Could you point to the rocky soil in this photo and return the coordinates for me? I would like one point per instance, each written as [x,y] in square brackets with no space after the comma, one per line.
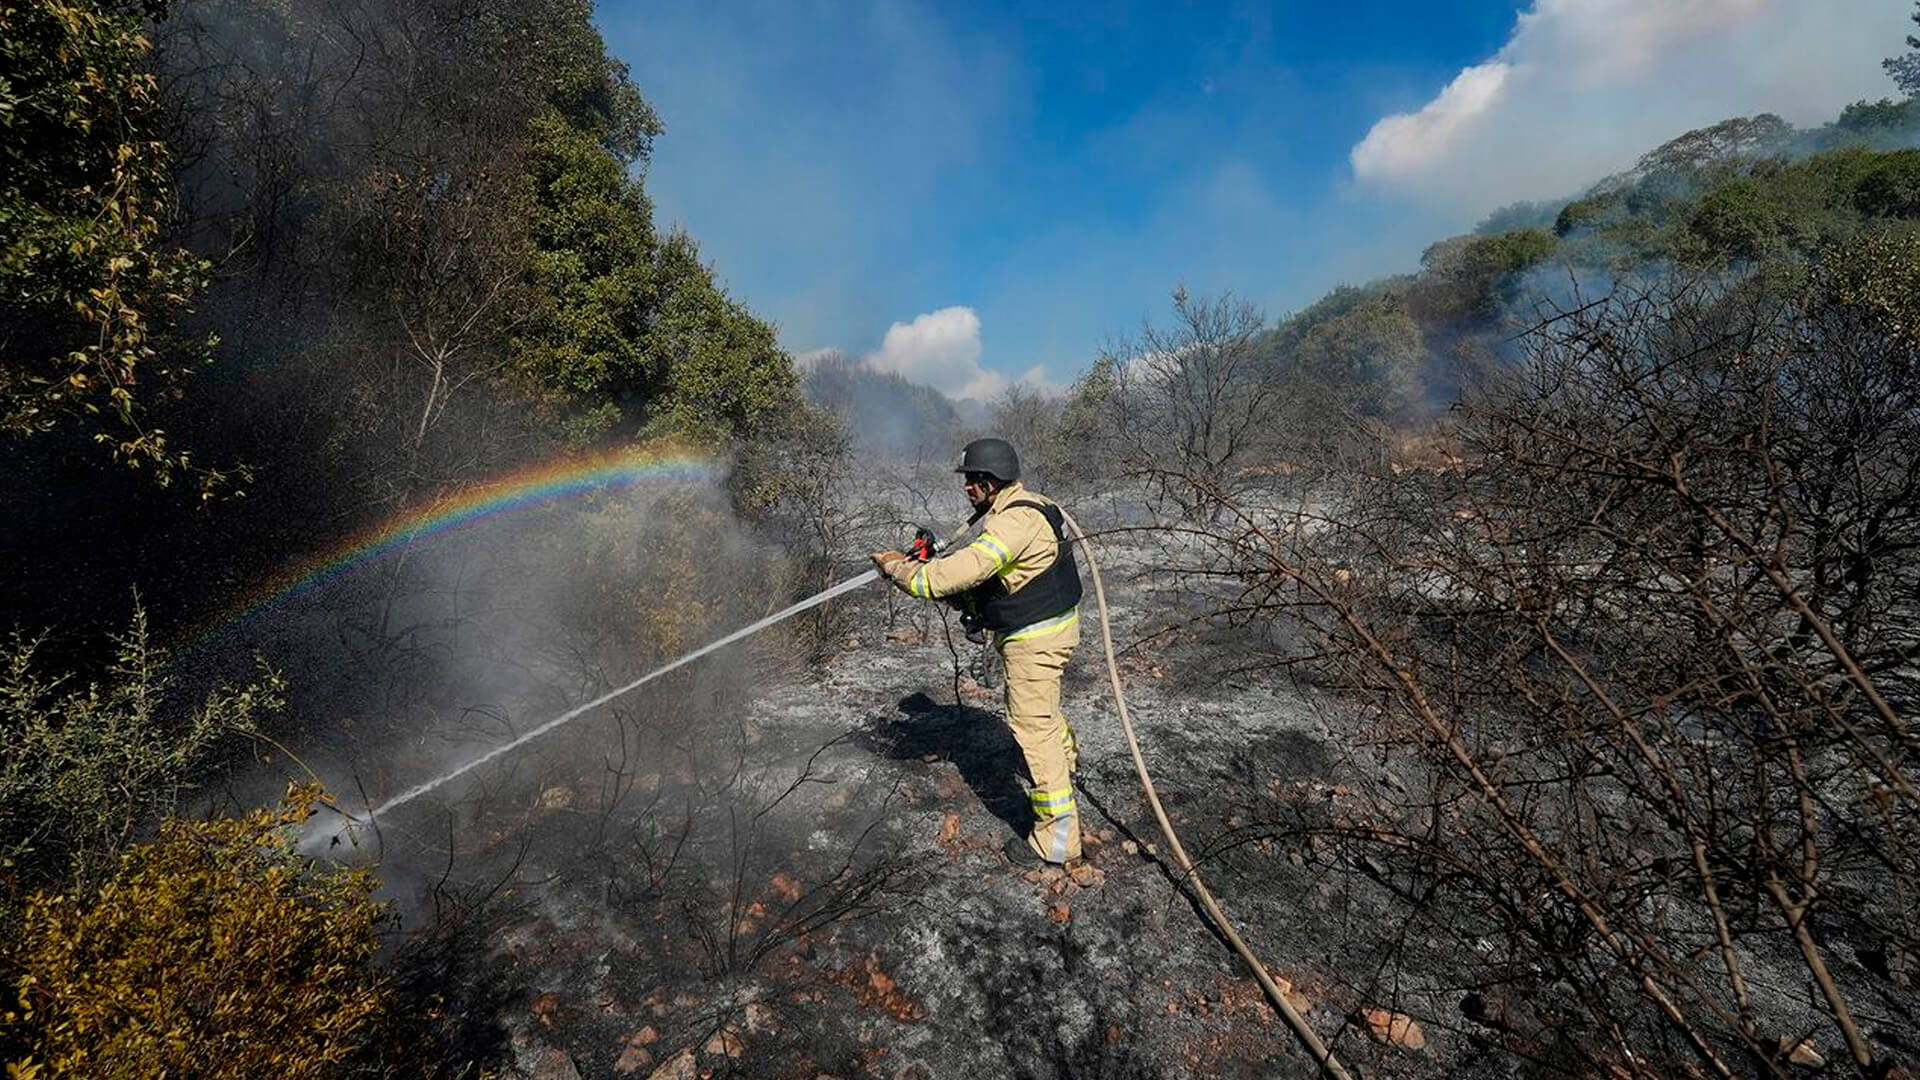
[839,906]
[775,867]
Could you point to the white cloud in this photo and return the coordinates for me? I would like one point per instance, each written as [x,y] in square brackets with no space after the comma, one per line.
[940,349]
[1583,87]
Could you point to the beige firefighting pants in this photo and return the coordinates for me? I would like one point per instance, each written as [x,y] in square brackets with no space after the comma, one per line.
[1034,666]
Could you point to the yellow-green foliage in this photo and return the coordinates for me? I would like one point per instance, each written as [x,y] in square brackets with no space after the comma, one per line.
[215,951]
[1877,275]
[82,771]
[84,271]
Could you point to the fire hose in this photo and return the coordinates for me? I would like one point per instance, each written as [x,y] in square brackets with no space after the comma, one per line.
[1190,873]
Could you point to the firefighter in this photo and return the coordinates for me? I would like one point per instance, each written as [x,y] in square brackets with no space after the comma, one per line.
[1017,580]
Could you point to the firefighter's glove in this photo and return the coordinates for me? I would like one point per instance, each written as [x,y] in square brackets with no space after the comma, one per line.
[889,562]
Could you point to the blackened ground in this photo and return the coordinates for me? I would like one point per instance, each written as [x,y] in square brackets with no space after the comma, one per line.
[821,891]
[764,867]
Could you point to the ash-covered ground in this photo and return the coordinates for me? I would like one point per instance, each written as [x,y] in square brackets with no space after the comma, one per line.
[783,867]
[784,862]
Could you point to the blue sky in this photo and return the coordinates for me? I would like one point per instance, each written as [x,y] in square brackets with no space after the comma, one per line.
[970,195]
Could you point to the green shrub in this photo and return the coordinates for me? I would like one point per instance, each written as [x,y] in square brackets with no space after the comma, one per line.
[81,771]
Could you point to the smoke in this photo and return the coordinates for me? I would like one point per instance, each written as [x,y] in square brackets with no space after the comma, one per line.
[884,412]
[424,660]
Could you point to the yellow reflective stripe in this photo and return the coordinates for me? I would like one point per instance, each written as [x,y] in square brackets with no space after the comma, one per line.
[1050,803]
[918,586]
[1002,558]
[1044,626]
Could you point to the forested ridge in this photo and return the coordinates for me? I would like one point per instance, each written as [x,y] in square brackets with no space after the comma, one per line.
[1607,506]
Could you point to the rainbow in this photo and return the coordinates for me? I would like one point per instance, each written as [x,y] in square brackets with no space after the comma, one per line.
[523,489]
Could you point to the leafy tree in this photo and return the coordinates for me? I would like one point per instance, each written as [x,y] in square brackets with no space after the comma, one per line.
[215,951]
[1583,213]
[1470,277]
[1718,145]
[1740,221]
[1519,215]
[90,294]
[1879,119]
[726,375]
[630,329]
[1890,186]
[582,350]
[1905,68]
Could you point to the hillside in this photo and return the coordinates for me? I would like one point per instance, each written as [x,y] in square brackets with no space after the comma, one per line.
[1525,646]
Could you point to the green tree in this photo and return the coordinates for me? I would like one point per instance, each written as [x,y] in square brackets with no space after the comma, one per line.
[90,293]
[726,374]
[1905,68]
[1472,277]
[631,330]
[1890,186]
[1718,145]
[1741,220]
[581,351]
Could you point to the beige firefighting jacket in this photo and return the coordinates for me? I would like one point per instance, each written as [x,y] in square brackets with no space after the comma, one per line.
[1017,544]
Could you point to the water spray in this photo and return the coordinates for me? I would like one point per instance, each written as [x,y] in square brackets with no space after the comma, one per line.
[376,813]
[925,547]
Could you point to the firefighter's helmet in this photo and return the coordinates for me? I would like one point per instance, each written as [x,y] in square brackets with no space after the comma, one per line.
[995,457]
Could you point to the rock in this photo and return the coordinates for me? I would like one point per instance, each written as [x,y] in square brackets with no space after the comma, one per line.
[554,1064]
[633,1057]
[1300,1002]
[1394,1029]
[680,1066]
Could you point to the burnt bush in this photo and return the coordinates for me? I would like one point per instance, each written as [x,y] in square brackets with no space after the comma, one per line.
[1639,660]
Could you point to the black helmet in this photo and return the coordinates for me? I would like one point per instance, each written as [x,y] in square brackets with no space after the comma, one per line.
[995,457]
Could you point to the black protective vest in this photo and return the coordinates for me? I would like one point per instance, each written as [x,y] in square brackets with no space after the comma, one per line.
[1050,593]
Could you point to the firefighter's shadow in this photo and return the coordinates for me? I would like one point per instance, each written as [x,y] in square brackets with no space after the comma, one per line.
[976,741]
